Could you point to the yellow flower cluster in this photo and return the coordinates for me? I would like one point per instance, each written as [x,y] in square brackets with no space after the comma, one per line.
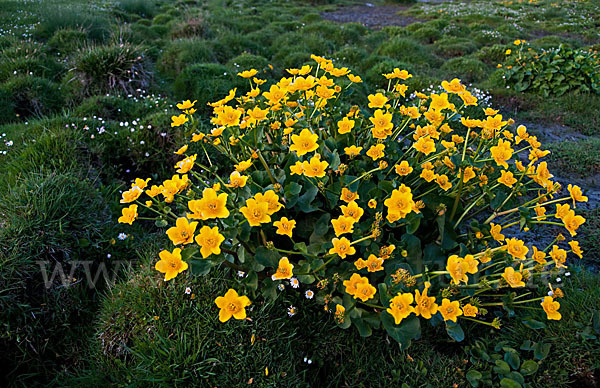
[313,180]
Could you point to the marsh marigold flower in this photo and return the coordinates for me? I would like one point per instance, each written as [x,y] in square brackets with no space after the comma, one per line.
[513,278]
[256,212]
[342,225]
[210,241]
[342,247]
[425,305]
[516,248]
[377,100]
[284,269]
[211,205]
[182,232]
[425,145]
[129,214]
[382,124]
[315,168]
[400,307]
[469,310]
[345,125]
[232,305]
[352,210]
[131,195]
[551,307]
[376,151]
[285,226]
[236,180]
[171,264]
[450,310]
[177,121]
[403,168]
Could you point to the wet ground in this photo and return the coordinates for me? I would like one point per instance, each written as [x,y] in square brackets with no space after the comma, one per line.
[371,16]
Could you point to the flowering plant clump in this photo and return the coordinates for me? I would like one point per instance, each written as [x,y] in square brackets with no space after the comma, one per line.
[551,72]
[388,214]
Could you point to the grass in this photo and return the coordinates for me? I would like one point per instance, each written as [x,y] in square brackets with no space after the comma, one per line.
[66,132]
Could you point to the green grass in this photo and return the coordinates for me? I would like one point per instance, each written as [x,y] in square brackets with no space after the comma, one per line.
[576,158]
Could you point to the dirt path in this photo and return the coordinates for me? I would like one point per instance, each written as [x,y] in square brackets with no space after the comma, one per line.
[371,15]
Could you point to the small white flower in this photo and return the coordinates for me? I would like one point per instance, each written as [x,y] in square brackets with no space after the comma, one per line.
[122,236]
[188,290]
[108,255]
[241,274]
[558,280]
[567,274]
[280,287]
[292,311]
[309,294]
[294,282]
[550,293]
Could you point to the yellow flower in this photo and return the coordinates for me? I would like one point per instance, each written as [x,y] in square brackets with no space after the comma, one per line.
[186,164]
[256,212]
[502,152]
[468,174]
[400,307]
[576,248]
[372,264]
[181,150]
[507,178]
[352,151]
[495,232]
[342,247]
[345,125]
[490,112]
[131,195]
[210,241]
[304,143]
[187,104]
[457,267]
[284,269]
[551,307]
[400,203]
[355,78]
[469,310]
[342,225]
[140,183]
[559,256]
[372,203]
[376,151]
[348,196]
[574,192]
[232,305]
[228,116]
[442,181]
[572,222]
[178,120]
[513,278]
[351,284]
[450,310]
[425,145]
[439,102]
[538,256]
[352,210]
[397,73]
[209,206]
[377,100]
[428,175]
[453,86]
[271,199]
[236,180]
[285,226]
[508,51]
[425,305]
[256,115]
[382,124]
[403,168]
[129,214]
[315,168]
[182,232]
[340,311]
[364,291]
[516,248]
[297,169]
[248,73]
[171,264]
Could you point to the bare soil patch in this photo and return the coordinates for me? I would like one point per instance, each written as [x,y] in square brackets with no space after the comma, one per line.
[371,16]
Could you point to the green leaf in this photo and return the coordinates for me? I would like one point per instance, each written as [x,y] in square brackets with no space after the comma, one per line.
[161,223]
[502,368]
[415,254]
[269,289]
[529,367]
[200,267]
[509,383]
[305,200]
[513,359]
[407,330]
[541,350]
[322,225]
[533,324]
[473,377]
[363,327]
[266,257]
[455,331]
[188,253]
[596,321]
